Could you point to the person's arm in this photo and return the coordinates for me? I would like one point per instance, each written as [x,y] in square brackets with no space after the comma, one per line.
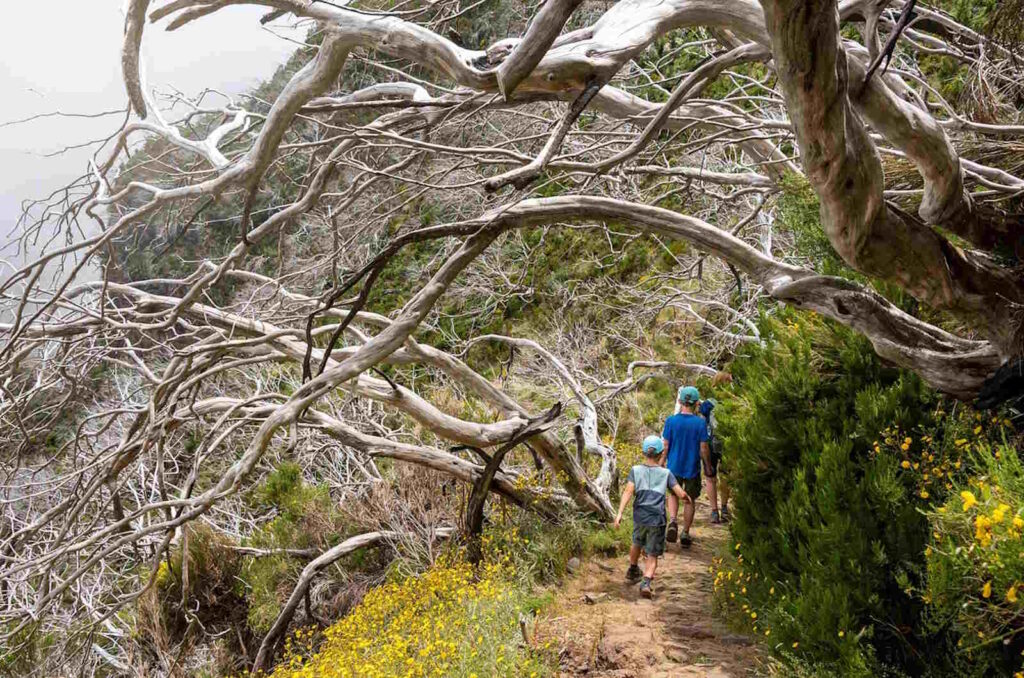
[627,494]
[664,441]
[681,493]
[705,455]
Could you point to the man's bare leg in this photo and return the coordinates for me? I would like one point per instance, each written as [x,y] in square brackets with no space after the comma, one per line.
[673,512]
[688,511]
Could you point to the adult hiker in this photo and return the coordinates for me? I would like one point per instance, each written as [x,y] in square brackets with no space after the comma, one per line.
[719,491]
[686,442]
[717,487]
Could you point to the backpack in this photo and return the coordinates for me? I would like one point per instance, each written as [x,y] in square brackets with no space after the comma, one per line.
[717,447]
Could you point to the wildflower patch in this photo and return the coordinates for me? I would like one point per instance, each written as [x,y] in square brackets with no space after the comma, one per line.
[448,621]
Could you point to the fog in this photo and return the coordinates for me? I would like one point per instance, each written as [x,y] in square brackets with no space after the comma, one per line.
[64,55]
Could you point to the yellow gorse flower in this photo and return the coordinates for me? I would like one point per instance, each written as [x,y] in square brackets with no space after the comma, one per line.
[969,499]
[443,622]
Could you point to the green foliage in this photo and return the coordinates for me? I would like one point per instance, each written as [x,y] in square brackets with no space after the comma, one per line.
[24,649]
[609,541]
[212,597]
[305,518]
[828,532]
[975,563]
[533,549]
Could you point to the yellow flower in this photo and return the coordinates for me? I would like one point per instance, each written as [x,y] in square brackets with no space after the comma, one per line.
[969,499]
[905,464]
[842,633]
[924,494]
[983,530]
[986,590]
[796,645]
[977,430]
[1011,594]
[999,513]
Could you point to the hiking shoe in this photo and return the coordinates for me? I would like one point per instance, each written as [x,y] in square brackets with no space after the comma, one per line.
[673,532]
[633,574]
[685,541]
[646,591]
[716,518]
[725,514]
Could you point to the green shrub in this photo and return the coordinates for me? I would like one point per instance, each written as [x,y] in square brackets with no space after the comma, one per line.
[975,563]
[829,530]
[305,518]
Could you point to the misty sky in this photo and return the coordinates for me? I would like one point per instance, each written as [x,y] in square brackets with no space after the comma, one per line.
[64,55]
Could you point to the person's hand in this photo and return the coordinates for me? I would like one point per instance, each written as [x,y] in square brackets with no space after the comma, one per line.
[618,519]
[686,497]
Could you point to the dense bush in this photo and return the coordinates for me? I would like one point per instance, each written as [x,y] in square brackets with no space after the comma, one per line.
[840,559]
[828,531]
[975,563]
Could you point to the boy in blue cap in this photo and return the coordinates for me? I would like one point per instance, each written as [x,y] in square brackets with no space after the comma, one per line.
[686,440]
[650,481]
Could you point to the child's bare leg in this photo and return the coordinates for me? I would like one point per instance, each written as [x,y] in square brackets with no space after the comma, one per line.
[673,507]
[713,492]
[724,491]
[650,566]
[634,554]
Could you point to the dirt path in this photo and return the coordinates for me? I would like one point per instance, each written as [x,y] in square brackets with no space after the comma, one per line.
[605,629]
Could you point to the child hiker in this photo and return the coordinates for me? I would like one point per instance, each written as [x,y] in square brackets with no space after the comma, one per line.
[650,481]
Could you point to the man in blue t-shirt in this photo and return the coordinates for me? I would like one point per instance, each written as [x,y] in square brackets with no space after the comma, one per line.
[686,443]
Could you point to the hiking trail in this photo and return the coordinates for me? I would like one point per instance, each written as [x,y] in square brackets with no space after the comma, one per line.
[603,628]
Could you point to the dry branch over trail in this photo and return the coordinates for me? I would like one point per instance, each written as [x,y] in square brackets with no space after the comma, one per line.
[436,222]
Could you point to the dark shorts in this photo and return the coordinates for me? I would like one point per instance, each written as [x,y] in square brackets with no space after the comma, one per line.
[650,537]
[716,458]
[692,486]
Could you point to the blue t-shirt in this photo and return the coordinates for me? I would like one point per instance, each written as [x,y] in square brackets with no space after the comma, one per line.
[684,433]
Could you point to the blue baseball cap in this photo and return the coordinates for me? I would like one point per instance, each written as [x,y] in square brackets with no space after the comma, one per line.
[652,445]
[689,395]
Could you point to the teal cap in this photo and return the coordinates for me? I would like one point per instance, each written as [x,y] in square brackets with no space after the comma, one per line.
[652,445]
[689,395]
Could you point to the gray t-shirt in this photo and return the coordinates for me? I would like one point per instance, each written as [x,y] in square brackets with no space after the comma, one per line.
[651,482]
